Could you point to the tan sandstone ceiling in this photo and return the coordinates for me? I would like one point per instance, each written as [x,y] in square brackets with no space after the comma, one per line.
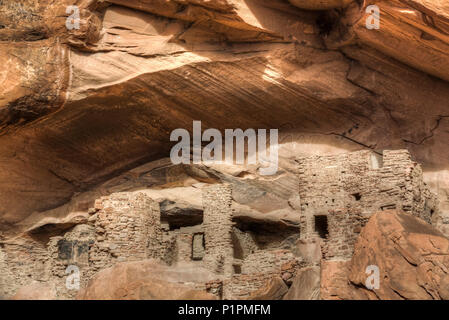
[77,108]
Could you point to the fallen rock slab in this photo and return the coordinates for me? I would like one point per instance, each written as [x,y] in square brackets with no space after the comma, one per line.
[147,280]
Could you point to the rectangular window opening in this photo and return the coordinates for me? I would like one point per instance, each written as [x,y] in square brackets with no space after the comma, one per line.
[321,226]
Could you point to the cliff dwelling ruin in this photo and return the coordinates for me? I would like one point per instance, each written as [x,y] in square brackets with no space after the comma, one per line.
[337,195]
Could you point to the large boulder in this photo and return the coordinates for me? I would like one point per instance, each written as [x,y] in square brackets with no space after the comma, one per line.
[147,280]
[306,285]
[274,289]
[335,284]
[412,258]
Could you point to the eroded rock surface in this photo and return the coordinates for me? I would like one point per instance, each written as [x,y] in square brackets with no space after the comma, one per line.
[79,106]
[305,286]
[87,113]
[146,280]
[412,258]
[275,289]
[36,291]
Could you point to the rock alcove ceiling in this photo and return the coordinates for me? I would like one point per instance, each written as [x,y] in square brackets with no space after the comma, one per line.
[88,112]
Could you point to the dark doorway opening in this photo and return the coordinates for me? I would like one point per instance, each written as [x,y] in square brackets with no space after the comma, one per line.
[357,196]
[321,226]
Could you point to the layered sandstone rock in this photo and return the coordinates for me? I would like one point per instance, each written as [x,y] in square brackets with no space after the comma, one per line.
[411,256]
[36,291]
[146,280]
[105,97]
[414,32]
[306,285]
[274,289]
[88,112]
[335,284]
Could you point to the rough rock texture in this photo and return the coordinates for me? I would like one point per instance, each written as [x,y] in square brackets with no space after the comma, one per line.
[145,280]
[335,284]
[305,286]
[36,291]
[411,255]
[87,113]
[79,106]
[321,4]
[274,289]
[242,232]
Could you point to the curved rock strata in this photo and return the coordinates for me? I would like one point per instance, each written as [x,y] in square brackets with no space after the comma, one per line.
[86,115]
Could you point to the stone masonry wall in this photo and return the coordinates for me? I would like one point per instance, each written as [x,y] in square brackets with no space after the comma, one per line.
[344,229]
[71,249]
[184,246]
[22,261]
[240,286]
[359,182]
[417,197]
[128,227]
[337,195]
[265,261]
[217,223]
[123,227]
